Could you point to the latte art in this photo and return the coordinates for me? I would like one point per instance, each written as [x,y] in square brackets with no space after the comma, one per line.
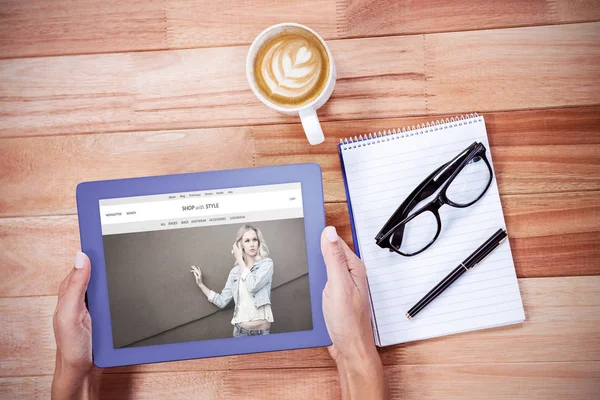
[291,69]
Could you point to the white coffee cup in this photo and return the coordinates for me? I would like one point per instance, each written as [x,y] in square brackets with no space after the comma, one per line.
[307,112]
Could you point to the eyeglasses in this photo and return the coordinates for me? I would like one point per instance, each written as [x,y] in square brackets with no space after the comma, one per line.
[463,181]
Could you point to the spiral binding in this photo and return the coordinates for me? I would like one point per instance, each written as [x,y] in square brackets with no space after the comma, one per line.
[419,129]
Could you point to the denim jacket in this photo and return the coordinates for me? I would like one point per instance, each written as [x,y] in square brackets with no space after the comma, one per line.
[258,281]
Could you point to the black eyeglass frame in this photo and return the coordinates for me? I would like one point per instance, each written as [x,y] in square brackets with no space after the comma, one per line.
[441,177]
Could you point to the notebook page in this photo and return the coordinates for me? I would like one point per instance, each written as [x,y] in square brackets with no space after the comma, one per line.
[379,177]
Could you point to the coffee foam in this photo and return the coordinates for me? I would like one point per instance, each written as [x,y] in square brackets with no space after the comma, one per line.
[291,68]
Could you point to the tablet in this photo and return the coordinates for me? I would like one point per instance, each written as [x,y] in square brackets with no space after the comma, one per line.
[146,236]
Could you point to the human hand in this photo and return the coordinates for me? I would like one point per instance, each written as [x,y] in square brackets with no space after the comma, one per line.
[197,274]
[346,300]
[238,254]
[346,312]
[73,334]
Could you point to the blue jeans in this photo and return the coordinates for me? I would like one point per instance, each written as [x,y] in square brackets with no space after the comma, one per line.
[239,331]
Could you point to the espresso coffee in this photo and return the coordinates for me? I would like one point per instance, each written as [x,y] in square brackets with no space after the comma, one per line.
[291,68]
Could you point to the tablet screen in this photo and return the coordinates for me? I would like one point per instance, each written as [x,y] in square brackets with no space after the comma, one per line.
[247,244]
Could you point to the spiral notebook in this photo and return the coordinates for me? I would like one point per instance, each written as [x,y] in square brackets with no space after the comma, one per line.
[380,170]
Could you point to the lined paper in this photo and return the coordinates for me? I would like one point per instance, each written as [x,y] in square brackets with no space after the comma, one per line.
[380,174]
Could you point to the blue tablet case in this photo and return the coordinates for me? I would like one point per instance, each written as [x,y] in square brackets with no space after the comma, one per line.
[90,193]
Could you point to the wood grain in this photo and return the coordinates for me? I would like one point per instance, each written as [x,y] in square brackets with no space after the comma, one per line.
[506,69]
[561,315]
[201,23]
[156,87]
[186,88]
[61,27]
[515,381]
[529,136]
[382,18]
[533,151]
[69,160]
[572,254]
[551,213]
[569,228]
[39,28]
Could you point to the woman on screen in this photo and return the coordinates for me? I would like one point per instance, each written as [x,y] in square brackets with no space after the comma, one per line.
[248,284]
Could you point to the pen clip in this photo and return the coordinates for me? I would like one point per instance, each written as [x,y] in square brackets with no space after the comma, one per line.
[490,252]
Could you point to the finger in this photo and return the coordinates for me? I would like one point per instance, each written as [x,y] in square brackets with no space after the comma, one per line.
[63,285]
[78,282]
[334,256]
[356,266]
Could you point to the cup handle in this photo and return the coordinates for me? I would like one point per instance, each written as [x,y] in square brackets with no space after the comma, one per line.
[311,125]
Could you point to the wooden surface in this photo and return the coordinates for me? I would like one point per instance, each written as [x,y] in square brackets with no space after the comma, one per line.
[107,89]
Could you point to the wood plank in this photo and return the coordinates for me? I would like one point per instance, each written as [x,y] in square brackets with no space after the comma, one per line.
[207,87]
[518,169]
[546,228]
[513,380]
[541,127]
[38,28]
[24,259]
[533,151]
[572,254]
[73,159]
[513,68]
[382,18]
[40,96]
[551,214]
[562,318]
[201,23]
[192,88]
[569,229]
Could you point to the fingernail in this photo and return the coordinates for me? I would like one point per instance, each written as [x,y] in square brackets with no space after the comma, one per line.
[79,260]
[331,234]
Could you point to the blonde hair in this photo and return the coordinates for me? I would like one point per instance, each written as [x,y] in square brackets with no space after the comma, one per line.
[263,249]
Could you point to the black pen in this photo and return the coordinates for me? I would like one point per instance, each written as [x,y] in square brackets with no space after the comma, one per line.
[475,258]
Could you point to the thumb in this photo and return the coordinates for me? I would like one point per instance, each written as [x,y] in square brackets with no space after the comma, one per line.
[334,256]
[356,267]
[78,281]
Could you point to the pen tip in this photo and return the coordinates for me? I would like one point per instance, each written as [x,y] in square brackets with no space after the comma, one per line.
[408,316]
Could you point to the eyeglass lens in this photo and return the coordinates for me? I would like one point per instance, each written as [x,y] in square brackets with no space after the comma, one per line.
[418,233]
[466,187]
[470,183]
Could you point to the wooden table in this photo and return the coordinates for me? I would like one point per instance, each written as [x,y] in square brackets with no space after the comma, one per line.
[107,89]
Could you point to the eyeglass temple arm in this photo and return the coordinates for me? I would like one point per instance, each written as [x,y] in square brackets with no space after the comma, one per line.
[435,184]
[418,194]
